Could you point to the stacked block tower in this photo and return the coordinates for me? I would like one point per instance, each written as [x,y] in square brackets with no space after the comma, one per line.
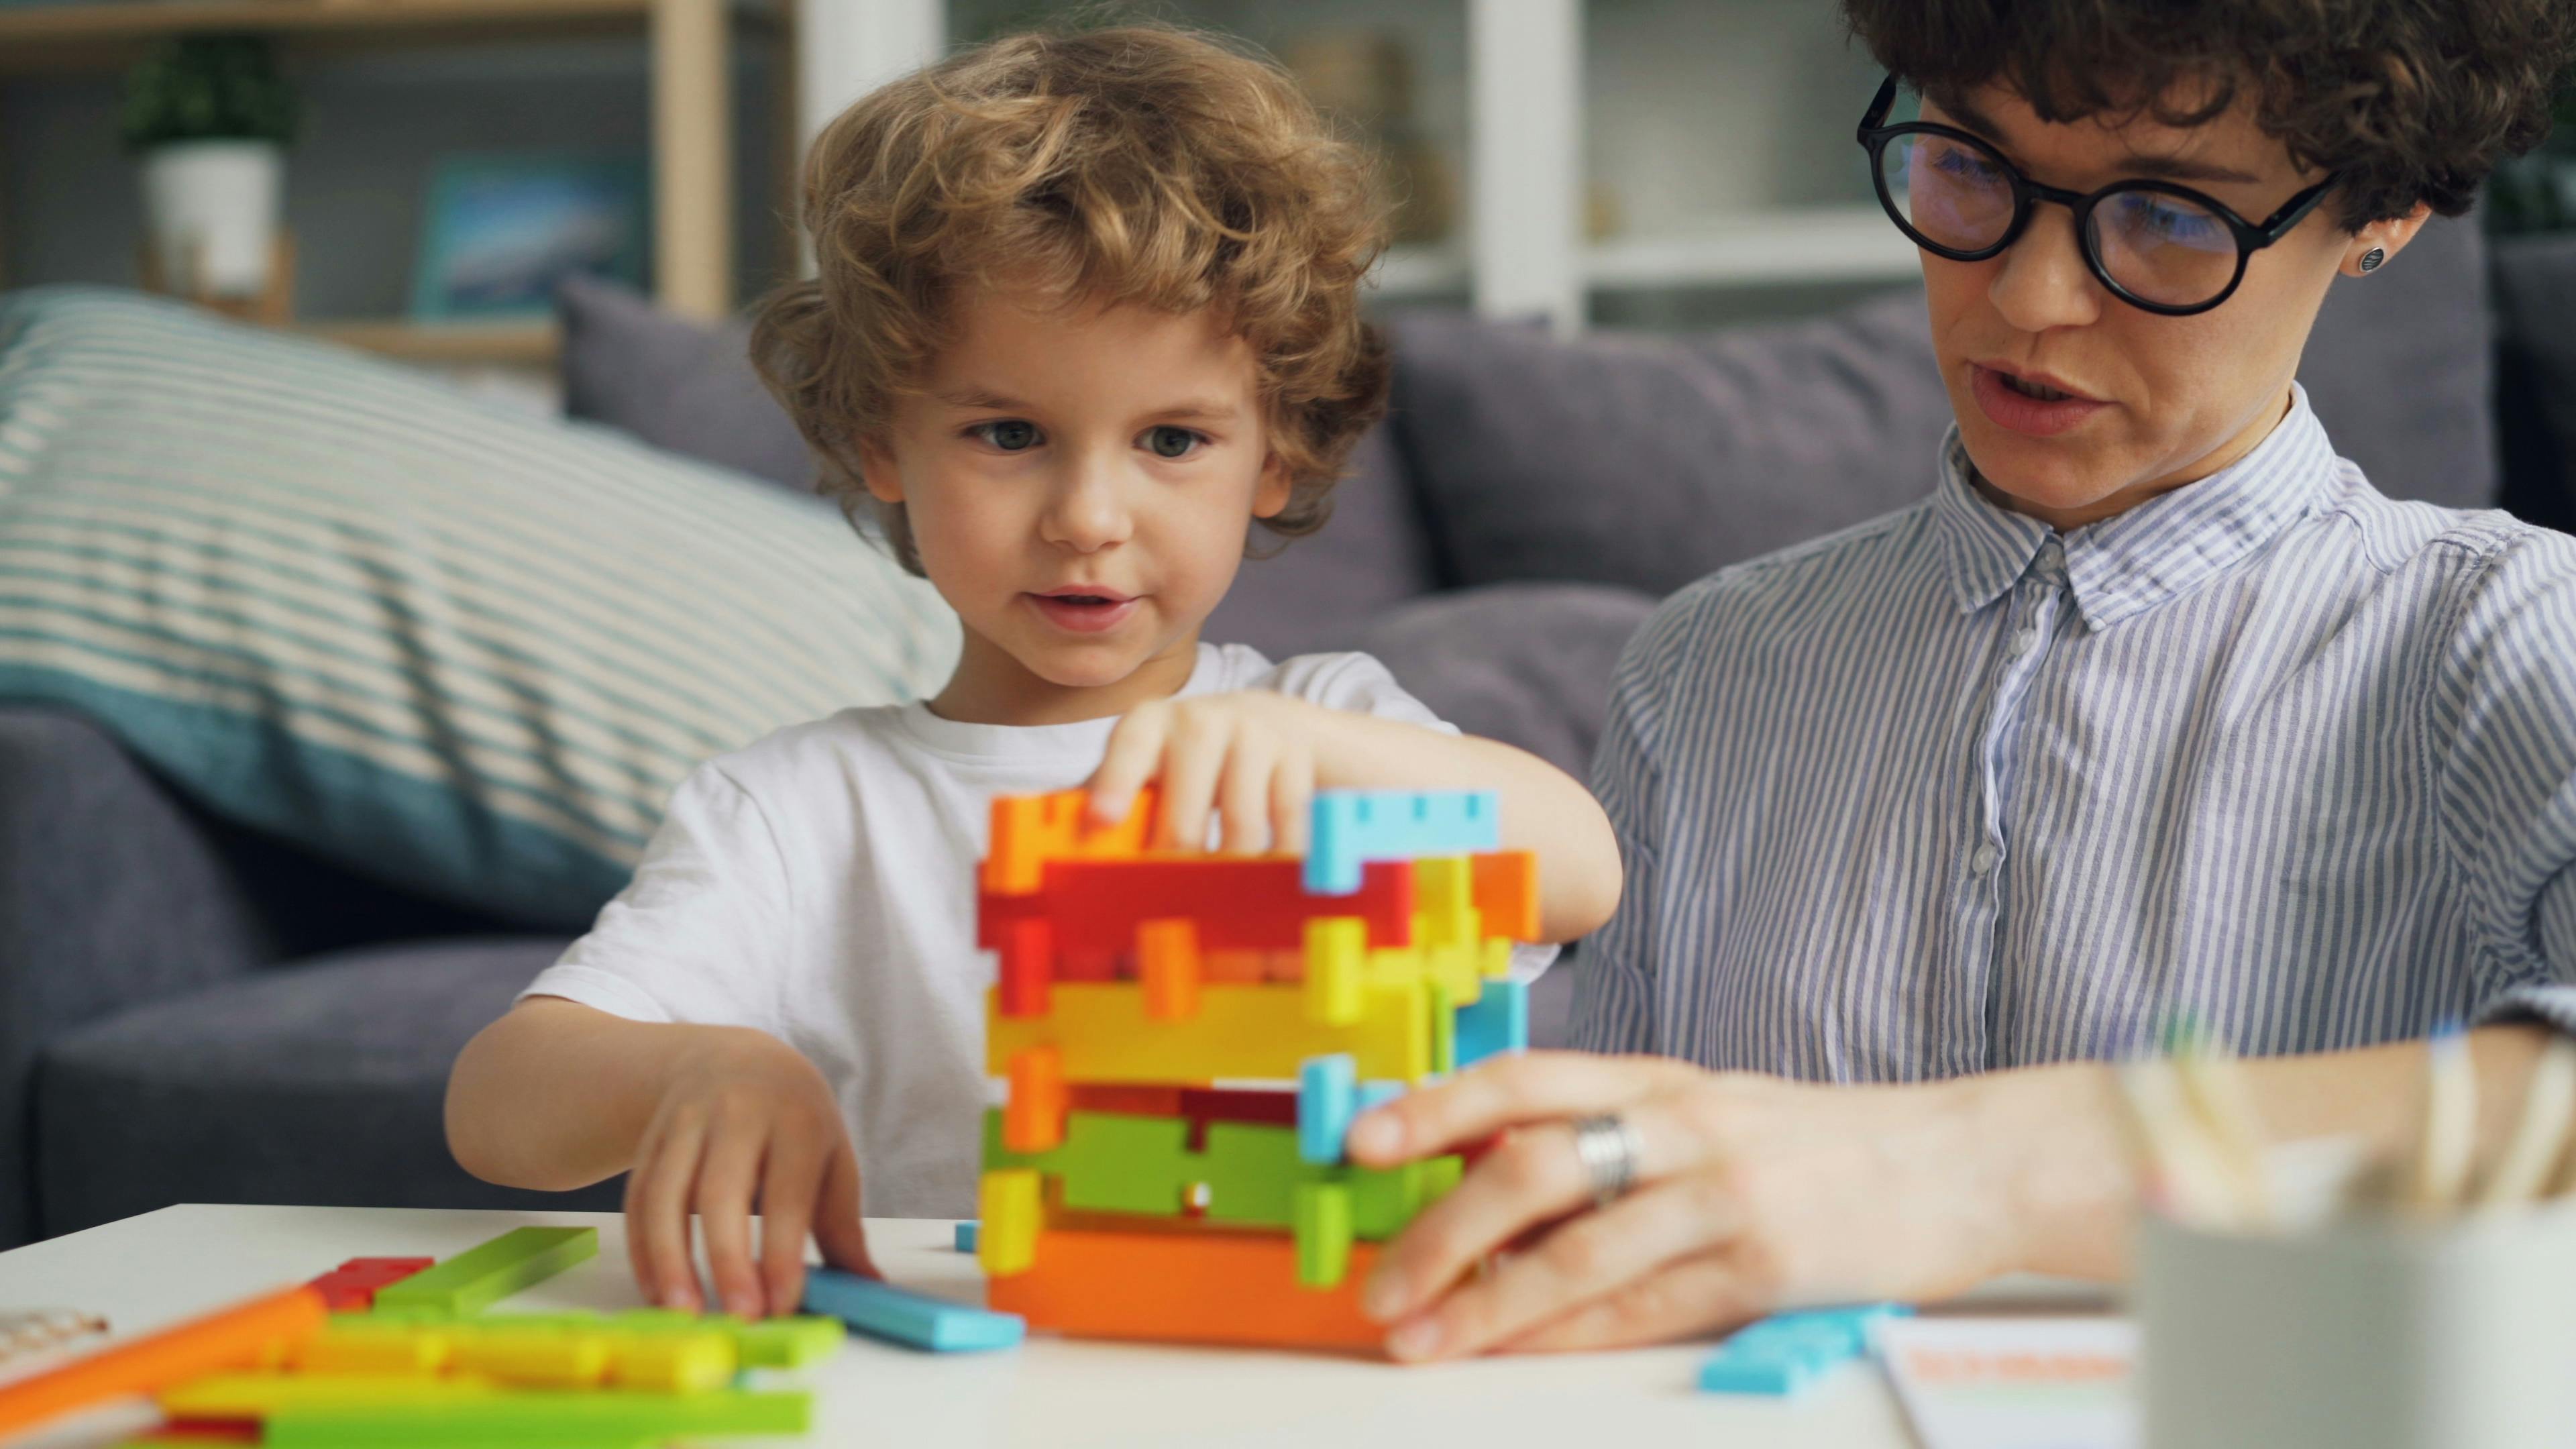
[1185,1038]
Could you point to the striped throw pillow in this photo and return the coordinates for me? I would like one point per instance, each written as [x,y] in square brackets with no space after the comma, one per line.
[463,649]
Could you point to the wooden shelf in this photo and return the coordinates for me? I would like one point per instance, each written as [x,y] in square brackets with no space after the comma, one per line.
[447,344]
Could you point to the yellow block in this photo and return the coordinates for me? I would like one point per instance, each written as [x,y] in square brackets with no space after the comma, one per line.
[673,1363]
[1444,902]
[1241,1030]
[361,1348]
[1011,1204]
[256,1396]
[535,1357]
[1336,955]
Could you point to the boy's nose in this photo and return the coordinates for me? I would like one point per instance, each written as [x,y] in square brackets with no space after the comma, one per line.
[1089,509]
[2041,281]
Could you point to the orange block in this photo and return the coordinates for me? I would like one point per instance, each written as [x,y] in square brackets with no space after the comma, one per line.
[242,1336]
[1030,830]
[1033,1118]
[1186,1288]
[1505,888]
[1239,967]
[1167,957]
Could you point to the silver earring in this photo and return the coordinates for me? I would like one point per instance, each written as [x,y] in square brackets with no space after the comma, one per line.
[2371,259]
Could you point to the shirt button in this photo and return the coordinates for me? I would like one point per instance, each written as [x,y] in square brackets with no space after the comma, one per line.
[2022,642]
[1985,858]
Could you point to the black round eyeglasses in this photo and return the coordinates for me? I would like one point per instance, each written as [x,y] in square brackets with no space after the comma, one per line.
[2165,248]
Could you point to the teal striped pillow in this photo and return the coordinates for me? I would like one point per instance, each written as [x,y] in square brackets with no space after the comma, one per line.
[460,648]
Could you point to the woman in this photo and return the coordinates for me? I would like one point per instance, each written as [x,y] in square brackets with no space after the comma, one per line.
[2154,711]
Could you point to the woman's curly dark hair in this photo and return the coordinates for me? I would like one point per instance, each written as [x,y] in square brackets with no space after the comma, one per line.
[2408,100]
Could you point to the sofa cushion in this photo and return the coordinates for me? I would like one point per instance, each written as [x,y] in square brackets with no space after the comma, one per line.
[462,649]
[675,382]
[1650,461]
[1527,664]
[1323,591]
[320,1083]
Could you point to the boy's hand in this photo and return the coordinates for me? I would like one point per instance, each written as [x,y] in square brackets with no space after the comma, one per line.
[1248,757]
[746,1116]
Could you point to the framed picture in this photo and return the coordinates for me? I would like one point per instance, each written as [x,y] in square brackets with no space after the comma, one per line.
[500,232]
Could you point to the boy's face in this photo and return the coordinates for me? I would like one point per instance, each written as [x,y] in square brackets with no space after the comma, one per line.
[2176,398]
[1078,483]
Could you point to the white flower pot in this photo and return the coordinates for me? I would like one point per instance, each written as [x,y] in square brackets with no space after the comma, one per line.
[211,209]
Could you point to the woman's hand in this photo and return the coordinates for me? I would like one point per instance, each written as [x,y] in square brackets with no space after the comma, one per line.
[1248,758]
[1751,1193]
[746,1116]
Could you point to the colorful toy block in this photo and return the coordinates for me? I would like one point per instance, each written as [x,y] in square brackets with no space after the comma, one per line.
[1494,1024]
[916,1320]
[1239,1033]
[479,1277]
[1191,1288]
[326,1414]
[1125,1193]
[241,1336]
[1352,827]
[354,1284]
[966,1236]
[1328,1090]
[1781,1355]
[1028,831]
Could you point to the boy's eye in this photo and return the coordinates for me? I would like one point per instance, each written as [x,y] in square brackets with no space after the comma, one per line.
[1171,442]
[1010,435]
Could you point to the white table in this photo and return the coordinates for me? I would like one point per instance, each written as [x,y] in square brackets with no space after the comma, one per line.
[1048,1394]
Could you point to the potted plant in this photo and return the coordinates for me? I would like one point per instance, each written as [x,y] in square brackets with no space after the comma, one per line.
[210,117]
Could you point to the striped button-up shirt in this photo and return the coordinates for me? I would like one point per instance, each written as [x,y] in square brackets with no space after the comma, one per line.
[1953,791]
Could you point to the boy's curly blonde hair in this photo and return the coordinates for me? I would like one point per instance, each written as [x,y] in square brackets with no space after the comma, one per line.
[1135,165]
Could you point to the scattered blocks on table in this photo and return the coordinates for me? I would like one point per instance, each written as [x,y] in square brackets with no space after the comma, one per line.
[479,1277]
[1781,1355]
[1352,827]
[966,1236]
[259,1331]
[354,1284]
[916,1320]
[1495,1024]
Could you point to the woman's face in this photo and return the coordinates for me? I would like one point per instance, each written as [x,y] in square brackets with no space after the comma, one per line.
[2161,401]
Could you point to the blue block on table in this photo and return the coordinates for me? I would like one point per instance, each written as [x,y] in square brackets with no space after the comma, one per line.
[966,1235]
[1353,827]
[1495,1023]
[916,1320]
[1783,1354]
[1731,1373]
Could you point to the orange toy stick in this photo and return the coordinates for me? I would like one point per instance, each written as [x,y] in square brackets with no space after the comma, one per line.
[1197,1287]
[236,1337]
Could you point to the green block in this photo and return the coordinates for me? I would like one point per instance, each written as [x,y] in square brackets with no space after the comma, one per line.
[1252,1171]
[1114,1163]
[549,1420]
[788,1342]
[1323,1233]
[1441,1176]
[479,1277]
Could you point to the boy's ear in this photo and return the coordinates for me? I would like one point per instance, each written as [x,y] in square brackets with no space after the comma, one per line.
[1270,496]
[877,472]
[2388,238]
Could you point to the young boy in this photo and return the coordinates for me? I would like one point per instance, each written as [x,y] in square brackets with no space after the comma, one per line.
[1087,307]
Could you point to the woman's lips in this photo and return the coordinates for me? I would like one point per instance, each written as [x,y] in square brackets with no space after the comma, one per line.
[1081,614]
[2022,413]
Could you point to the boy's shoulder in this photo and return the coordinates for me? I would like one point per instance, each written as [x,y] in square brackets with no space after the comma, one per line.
[838,742]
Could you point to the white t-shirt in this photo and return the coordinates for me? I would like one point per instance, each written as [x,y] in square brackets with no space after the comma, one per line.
[819,885]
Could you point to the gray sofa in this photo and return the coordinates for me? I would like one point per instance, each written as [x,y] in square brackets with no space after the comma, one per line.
[191,1013]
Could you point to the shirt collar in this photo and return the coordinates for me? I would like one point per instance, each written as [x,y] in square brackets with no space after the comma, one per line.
[2159,550]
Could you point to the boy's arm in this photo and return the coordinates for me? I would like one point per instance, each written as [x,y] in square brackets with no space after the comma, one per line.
[1255,758]
[711,1120]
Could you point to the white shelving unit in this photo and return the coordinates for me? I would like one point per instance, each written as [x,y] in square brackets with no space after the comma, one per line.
[1717,133]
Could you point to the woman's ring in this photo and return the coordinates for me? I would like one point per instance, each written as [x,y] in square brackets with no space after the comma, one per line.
[1609,1150]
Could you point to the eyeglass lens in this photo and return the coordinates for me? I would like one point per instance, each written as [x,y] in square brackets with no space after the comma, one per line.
[2157,246]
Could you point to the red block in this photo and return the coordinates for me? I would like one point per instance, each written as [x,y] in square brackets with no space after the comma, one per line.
[351,1287]
[1028,967]
[1254,904]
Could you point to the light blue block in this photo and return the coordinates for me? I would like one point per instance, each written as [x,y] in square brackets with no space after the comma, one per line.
[966,1236]
[1728,1372]
[1497,1023]
[1378,1094]
[1327,1097]
[917,1320]
[1353,827]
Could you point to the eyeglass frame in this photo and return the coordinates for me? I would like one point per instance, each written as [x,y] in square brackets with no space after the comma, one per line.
[2251,237]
